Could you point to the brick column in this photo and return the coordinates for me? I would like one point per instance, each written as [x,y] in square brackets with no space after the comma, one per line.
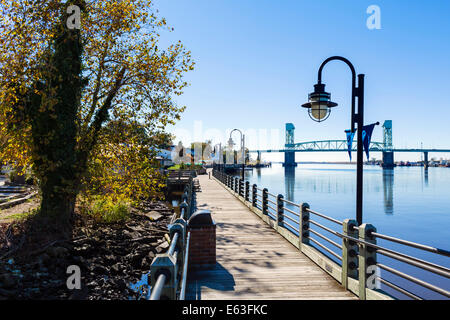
[202,244]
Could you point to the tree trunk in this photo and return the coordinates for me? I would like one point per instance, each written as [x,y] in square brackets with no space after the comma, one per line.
[54,127]
[57,203]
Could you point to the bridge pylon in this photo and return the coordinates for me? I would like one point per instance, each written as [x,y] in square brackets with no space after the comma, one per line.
[289,156]
[388,154]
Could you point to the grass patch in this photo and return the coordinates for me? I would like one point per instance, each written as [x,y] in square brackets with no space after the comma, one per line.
[185,166]
[20,216]
[105,210]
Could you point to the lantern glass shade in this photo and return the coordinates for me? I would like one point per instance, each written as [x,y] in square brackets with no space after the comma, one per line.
[319,104]
[230,143]
[319,111]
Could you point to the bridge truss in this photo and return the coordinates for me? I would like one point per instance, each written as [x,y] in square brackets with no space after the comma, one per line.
[340,146]
[325,145]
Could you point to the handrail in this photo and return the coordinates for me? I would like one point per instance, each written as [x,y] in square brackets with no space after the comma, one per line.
[412,244]
[415,280]
[173,243]
[261,202]
[288,224]
[325,238]
[291,203]
[157,288]
[416,264]
[327,229]
[392,251]
[399,289]
[324,216]
[289,218]
[185,268]
[178,254]
[326,249]
[293,212]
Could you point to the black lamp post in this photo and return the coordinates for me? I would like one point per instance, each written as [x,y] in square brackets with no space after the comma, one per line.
[243,149]
[319,108]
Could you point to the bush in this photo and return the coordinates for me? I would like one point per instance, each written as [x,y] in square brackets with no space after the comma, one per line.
[16,176]
[20,176]
[105,210]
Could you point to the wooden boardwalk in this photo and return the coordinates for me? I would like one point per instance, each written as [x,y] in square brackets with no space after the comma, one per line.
[253,260]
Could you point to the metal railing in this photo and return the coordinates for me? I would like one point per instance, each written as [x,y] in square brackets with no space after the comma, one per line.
[353,262]
[168,271]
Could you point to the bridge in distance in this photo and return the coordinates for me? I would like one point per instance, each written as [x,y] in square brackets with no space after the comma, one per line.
[386,147]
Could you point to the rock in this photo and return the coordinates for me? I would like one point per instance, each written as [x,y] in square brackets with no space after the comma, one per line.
[84,250]
[57,252]
[99,269]
[131,235]
[151,255]
[7,294]
[154,215]
[7,280]
[79,294]
[109,259]
[121,284]
[134,259]
[162,247]
[43,259]
[116,268]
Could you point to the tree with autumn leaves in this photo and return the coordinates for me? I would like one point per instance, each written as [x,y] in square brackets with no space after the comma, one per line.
[70,99]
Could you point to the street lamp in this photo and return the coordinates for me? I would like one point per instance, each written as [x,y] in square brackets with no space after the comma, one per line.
[319,107]
[230,142]
[219,152]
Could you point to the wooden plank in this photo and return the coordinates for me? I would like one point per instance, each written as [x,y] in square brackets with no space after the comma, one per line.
[253,260]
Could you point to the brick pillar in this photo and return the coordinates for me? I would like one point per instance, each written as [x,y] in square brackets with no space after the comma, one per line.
[202,244]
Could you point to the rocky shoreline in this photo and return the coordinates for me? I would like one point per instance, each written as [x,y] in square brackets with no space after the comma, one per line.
[114,260]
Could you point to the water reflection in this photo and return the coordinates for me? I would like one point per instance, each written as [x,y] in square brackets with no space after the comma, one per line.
[388,188]
[258,173]
[426,177]
[289,182]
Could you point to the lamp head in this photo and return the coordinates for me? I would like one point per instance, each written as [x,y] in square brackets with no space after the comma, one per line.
[230,143]
[319,103]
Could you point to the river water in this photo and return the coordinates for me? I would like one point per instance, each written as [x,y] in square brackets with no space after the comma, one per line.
[406,202]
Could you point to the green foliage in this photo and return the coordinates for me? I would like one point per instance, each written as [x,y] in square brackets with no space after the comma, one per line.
[105,210]
[185,166]
[20,176]
[68,98]
[22,216]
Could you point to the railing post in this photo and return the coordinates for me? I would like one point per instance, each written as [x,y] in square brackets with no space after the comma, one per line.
[254,195]
[349,252]
[247,191]
[236,185]
[367,257]
[184,209]
[304,223]
[280,210]
[165,264]
[180,227]
[265,202]
[240,187]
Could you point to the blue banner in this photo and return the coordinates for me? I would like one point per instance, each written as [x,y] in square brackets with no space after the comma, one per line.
[350,136]
[367,136]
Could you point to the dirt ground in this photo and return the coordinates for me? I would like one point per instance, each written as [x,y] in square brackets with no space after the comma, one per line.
[5,214]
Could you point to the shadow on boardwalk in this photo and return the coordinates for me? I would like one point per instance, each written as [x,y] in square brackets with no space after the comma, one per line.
[217,278]
[253,260]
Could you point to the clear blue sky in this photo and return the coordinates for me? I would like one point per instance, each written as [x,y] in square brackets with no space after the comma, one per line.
[256,62]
